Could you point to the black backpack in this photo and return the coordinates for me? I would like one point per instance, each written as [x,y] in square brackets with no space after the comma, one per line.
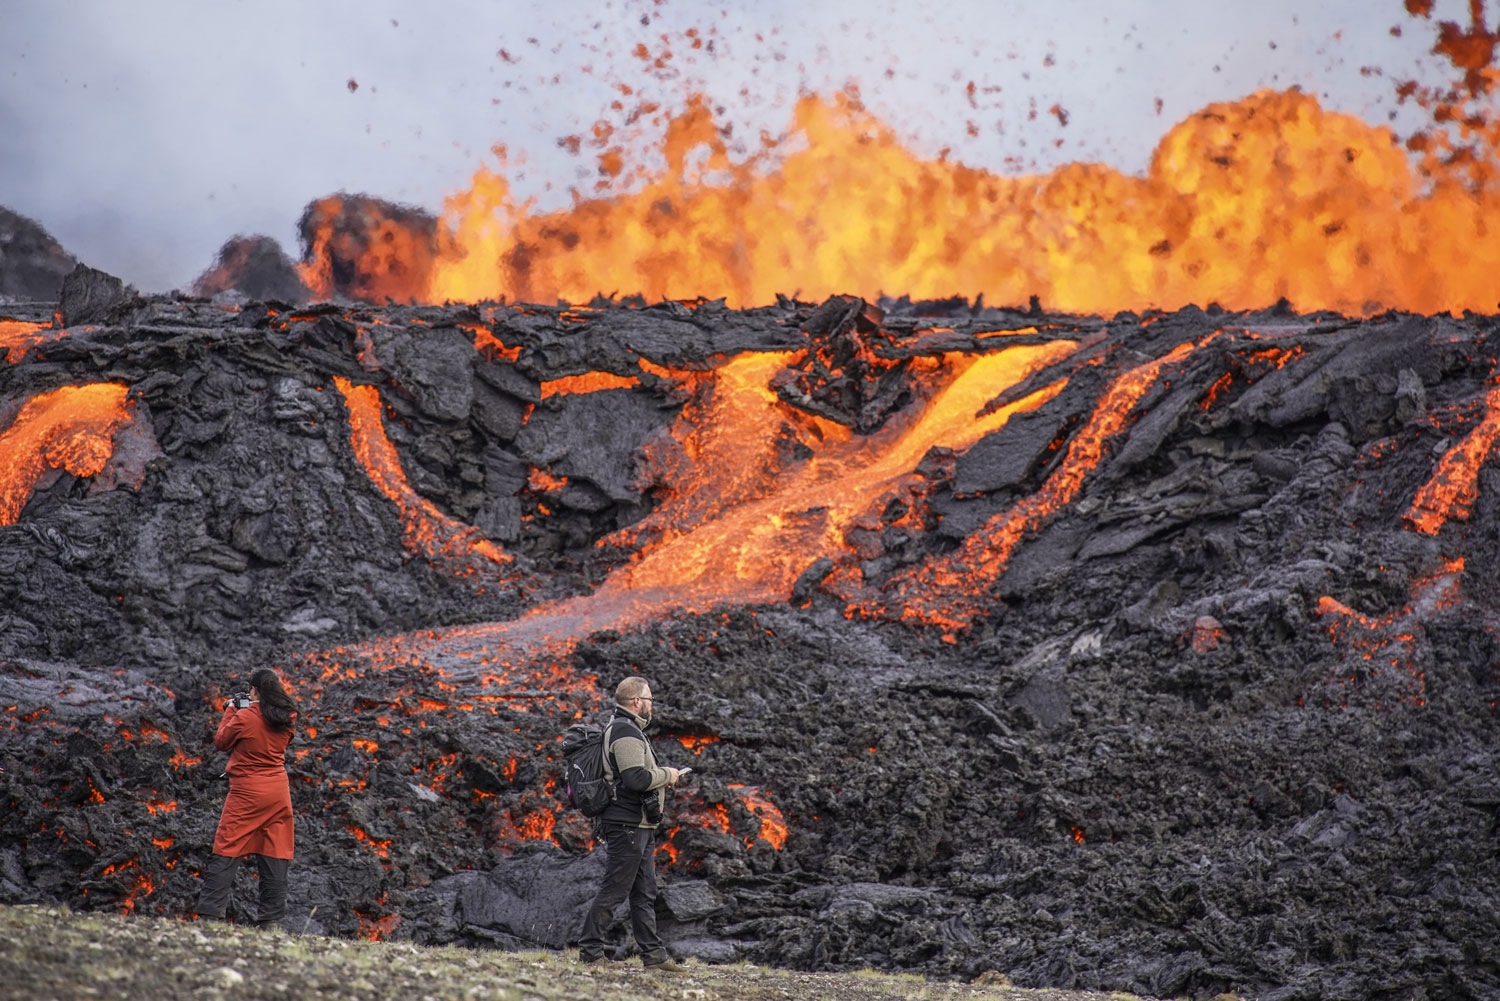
[590,778]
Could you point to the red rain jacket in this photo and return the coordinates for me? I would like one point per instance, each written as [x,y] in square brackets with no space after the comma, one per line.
[257,817]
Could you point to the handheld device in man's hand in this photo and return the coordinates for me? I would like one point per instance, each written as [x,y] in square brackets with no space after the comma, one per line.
[683,771]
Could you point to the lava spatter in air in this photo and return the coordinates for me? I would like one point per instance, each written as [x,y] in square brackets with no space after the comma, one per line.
[1245,203]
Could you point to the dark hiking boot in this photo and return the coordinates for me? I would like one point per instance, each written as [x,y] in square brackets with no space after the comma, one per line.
[594,957]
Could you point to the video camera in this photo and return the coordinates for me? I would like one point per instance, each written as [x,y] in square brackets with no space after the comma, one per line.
[240,700]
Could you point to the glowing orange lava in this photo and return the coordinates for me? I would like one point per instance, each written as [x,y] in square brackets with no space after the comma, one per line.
[949,590]
[381,847]
[739,523]
[1389,643]
[426,528]
[772,824]
[741,520]
[1455,484]
[17,337]
[1244,203]
[72,429]
[589,382]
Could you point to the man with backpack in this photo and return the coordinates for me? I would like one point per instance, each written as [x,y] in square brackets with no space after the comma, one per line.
[629,825]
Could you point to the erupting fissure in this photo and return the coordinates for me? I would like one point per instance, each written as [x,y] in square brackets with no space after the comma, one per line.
[1245,203]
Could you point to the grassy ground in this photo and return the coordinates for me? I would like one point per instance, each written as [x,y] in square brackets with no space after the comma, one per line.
[51,952]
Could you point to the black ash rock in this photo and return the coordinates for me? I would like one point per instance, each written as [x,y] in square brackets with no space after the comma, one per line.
[1225,722]
[843,374]
[251,267]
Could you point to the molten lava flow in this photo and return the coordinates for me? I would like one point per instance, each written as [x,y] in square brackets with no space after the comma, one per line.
[17,337]
[736,525]
[1244,203]
[426,528]
[742,519]
[949,590]
[72,429]
[723,437]
[589,382]
[1455,484]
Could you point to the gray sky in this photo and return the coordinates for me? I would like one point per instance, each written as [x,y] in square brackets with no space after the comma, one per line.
[144,133]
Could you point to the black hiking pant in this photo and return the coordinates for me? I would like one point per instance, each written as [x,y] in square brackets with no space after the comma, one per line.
[629,871]
[218,887]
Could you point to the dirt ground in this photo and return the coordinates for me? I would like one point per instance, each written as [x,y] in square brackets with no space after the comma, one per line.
[51,952]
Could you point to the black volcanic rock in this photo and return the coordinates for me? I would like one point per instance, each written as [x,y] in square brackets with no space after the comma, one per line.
[254,266]
[843,374]
[614,424]
[32,263]
[90,296]
[1224,722]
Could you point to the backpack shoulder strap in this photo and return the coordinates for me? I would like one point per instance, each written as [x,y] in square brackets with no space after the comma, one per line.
[609,764]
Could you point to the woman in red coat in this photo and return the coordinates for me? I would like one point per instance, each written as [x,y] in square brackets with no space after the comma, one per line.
[257,818]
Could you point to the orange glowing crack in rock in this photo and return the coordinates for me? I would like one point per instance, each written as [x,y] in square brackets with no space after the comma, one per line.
[1391,641]
[589,382]
[1452,489]
[773,829]
[950,590]
[72,429]
[486,344]
[425,528]
[1244,203]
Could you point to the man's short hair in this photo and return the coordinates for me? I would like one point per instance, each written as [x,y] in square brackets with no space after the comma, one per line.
[630,688]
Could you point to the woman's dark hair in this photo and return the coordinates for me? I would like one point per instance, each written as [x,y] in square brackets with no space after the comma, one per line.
[276,705]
